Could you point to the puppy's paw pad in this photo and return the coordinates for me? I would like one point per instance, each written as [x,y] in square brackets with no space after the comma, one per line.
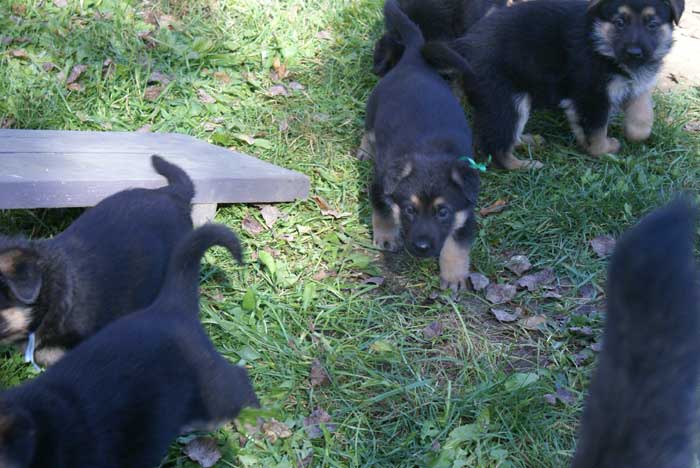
[454,284]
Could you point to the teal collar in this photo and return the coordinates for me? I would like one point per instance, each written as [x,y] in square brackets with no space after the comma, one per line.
[29,351]
[481,167]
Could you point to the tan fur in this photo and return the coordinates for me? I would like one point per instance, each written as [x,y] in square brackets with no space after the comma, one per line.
[407,169]
[603,35]
[639,117]
[648,11]
[16,320]
[366,150]
[598,143]
[416,201]
[512,163]
[625,10]
[46,357]
[386,230]
[455,258]
[438,201]
[8,260]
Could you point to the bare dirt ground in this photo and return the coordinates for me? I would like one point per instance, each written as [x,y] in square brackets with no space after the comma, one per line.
[682,66]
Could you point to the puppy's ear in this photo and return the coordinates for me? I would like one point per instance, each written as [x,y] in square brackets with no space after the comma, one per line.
[467,179]
[677,7]
[387,53]
[394,178]
[19,269]
[593,5]
[17,436]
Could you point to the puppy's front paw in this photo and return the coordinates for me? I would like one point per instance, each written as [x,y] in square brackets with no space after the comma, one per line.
[454,265]
[387,240]
[605,145]
[386,230]
[454,284]
[46,357]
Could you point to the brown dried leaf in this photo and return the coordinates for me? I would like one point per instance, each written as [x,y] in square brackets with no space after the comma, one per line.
[279,70]
[251,225]
[493,208]
[152,93]
[296,86]
[563,395]
[205,97]
[478,281]
[222,77]
[19,53]
[48,66]
[108,68]
[270,214]
[518,264]
[326,209]
[534,322]
[203,450]
[433,330]
[19,9]
[159,77]
[60,3]
[147,38]
[536,280]
[7,122]
[323,274]
[75,73]
[693,126]
[313,422]
[277,90]
[318,376]
[76,87]
[603,246]
[273,430]
[500,293]
[503,316]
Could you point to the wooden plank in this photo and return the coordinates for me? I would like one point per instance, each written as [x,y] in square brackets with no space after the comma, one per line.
[47,169]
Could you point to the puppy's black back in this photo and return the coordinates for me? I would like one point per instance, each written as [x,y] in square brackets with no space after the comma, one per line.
[642,407]
[122,396]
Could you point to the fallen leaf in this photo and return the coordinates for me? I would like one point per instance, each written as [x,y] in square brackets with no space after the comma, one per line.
[318,375]
[273,430]
[433,330]
[270,214]
[147,38]
[247,138]
[518,264]
[279,70]
[585,331]
[277,90]
[159,77]
[323,274]
[75,87]
[60,3]
[326,209]
[251,225]
[152,93]
[203,450]
[495,207]
[296,86]
[108,68]
[222,77]
[283,125]
[48,66]
[375,280]
[693,126]
[603,246]
[563,395]
[551,295]
[597,347]
[536,280]
[582,357]
[587,291]
[19,9]
[534,322]
[312,423]
[167,21]
[325,35]
[75,73]
[503,316]
[500,293]
[7,122]
[478,281]
[19,53]
[205,97]
[5,40]
[145,129]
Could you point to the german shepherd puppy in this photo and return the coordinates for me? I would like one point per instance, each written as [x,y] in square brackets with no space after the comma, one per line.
[642,407]
[109,262]
[124,394]
[589,58]
[424,188]
[439,20]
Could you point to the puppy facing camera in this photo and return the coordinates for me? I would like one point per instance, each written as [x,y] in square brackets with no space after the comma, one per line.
[109,262]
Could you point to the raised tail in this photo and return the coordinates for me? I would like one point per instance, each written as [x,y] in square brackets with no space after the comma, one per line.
[445,59]
[179,182]
[409,32]
[641,408]
[181,284]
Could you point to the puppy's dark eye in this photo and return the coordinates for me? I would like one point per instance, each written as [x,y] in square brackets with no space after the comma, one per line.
[652,25]
[620,22]
[443,213]
[409,210]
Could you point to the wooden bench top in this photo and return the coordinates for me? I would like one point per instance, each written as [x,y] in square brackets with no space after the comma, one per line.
[56,169]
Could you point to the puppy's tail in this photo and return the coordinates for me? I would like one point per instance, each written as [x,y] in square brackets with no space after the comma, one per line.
[181,285]
[641,408]
[395,18]
[445,59]
[180,184]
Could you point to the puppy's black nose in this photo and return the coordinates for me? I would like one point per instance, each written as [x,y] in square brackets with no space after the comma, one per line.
[421,246]
[634,52]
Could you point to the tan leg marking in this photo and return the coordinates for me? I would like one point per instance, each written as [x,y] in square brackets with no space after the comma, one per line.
[386,230]
[16,321]
[366,150]
[512,163]
[639,117]
[8,260]
[46,357]
[455,258]
[599,143]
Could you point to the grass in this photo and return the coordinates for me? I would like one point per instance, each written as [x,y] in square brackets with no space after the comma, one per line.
[471,396]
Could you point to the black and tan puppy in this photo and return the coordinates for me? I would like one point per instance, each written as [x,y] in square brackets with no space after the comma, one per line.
[424,188]
[109,262]
[124,394]
[642,407]
[439,20]
[589,58]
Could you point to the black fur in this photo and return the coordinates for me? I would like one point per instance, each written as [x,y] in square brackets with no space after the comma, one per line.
[109,262]
[642,408]
[420,131]
[122,396]
[439,20]
[569,54]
